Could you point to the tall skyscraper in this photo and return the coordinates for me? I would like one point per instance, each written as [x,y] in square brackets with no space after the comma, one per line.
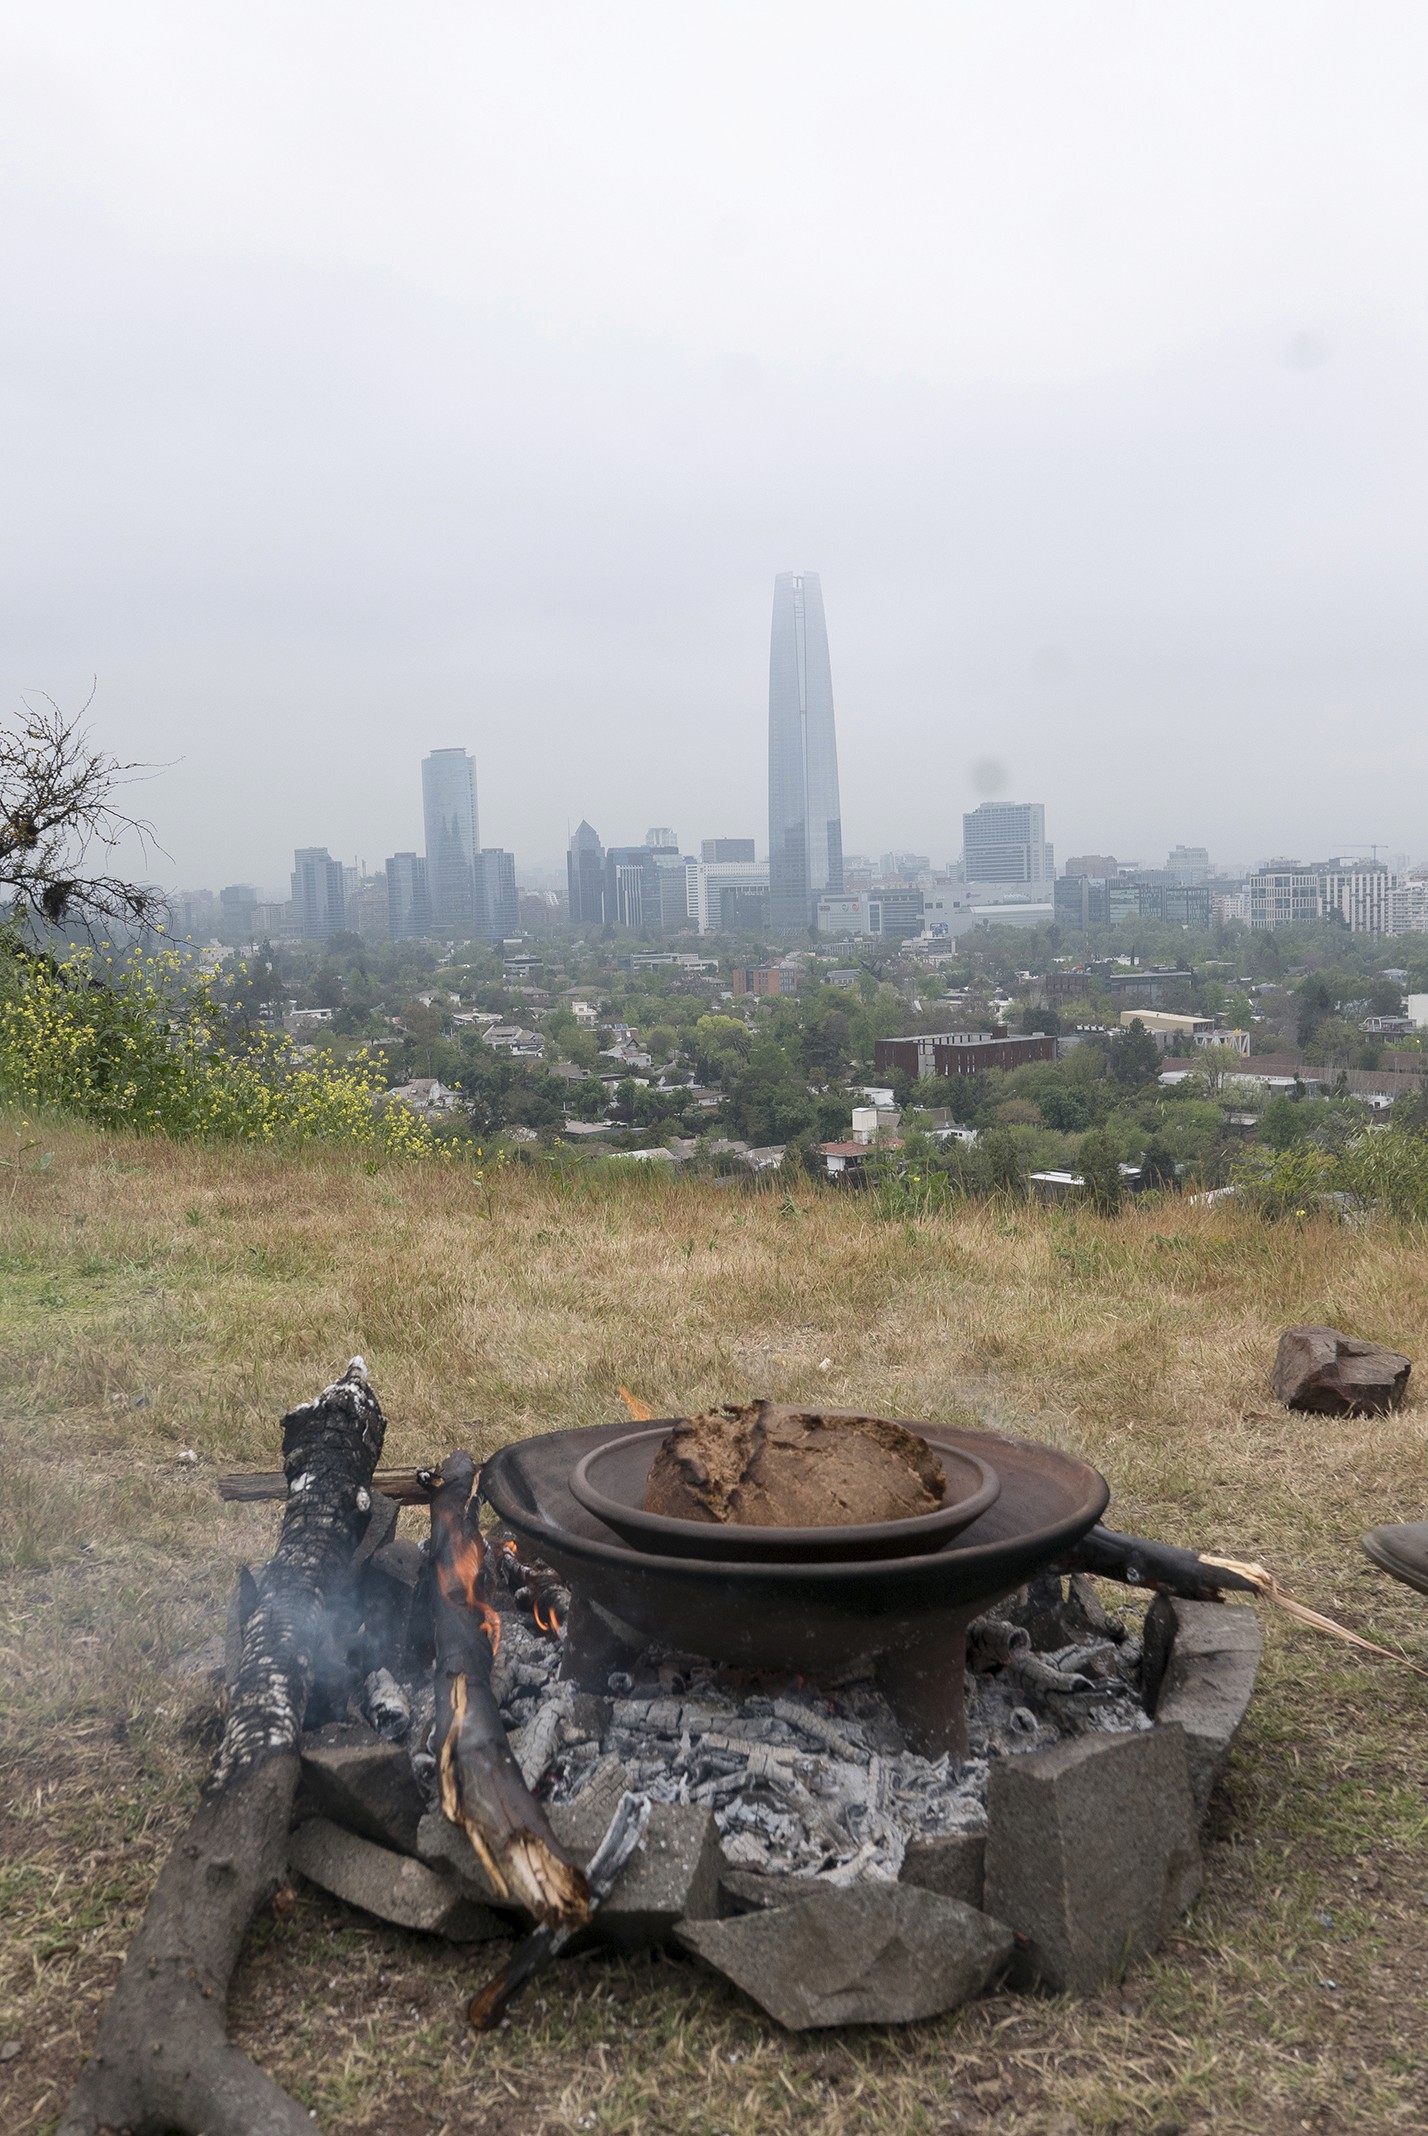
[805,821]
[498,906]
[1005,842]
[585,876]
[448,793]
[408,900]
[318,899]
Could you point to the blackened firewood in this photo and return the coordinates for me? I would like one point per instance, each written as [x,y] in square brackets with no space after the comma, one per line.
[481,1786]
[162,2060]
[1138,1562]
[547,1940]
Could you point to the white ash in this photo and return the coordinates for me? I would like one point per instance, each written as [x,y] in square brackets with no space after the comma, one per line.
[802,1781]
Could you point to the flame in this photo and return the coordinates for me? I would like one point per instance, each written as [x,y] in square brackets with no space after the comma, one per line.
[546,1619]
[640,1411]
[459,1566]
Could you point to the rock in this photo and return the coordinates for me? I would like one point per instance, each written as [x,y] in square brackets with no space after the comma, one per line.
[392,1886]
[953,1866]
[762,1466]
[870,1953]
[673,1876]
[1337,1375]
[752,1890]
[350,1774]
[1093,1852]
[1201,1660]
[444,1847]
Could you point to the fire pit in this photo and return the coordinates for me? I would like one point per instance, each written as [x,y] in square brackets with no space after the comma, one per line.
[802,1618]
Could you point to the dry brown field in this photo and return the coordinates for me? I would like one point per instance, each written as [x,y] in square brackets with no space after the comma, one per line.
[156,1298]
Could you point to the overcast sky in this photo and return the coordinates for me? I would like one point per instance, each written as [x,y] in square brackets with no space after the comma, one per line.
[379,378]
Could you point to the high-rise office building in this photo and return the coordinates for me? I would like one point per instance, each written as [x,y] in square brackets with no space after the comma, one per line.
[238,902]
[725,849]
[1005,842]
[1188,864]
[662,840]
[448,793]
[318,902]
[498,907]
[408,899]
[585,878]
[805,821]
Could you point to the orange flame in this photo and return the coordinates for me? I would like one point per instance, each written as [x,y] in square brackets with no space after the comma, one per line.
[641,1412]
[547,1620]
[458,1573]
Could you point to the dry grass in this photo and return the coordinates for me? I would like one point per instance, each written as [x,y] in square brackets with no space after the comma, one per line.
[157,1298]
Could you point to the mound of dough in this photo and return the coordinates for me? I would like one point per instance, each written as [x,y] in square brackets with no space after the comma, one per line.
[765,1467]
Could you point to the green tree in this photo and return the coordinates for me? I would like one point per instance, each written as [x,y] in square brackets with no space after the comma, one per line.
[1100,1169]
[1001,1161]
[1134,1056]
[1157,1163]
[1312,1003]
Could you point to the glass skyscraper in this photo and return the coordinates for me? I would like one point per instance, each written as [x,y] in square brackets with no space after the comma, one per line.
[448,793]
[805,821]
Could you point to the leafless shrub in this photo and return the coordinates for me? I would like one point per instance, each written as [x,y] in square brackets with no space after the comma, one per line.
[60,825]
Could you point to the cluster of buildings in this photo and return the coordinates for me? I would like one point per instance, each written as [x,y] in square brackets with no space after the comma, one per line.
[457,888]
[806,884]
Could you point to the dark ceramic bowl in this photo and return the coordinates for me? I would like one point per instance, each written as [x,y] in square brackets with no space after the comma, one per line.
[610,1482]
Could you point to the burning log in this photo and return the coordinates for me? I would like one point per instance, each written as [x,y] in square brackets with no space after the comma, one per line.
[548,1939]
[534,1586]
[482,1790]
[162,2060]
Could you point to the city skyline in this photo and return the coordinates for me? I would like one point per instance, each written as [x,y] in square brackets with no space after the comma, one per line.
[1138,471]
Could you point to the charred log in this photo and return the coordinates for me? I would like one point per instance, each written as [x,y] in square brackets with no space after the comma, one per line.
[1138,1562]
[548,1939]
[482,1790]
[162,2060]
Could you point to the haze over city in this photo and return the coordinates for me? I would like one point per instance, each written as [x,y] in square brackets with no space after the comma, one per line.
[377,385]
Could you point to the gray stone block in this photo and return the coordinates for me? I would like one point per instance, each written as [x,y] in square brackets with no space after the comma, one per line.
[392,1886]
[444,1847]
[672,1877]
[953,1865]
[752,1890]
[350,1774]
[1201,1661]
[870,1954]
[1093,1852]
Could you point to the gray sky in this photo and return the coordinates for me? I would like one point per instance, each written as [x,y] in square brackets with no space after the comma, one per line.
[384,378]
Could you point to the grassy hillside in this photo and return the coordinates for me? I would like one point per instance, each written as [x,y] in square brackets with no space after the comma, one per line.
[159,1298]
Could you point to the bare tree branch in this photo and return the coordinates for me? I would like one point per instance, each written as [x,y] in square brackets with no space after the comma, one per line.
[59,824]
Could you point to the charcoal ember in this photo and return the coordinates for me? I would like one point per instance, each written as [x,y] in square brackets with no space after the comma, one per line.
[762,1466]
[386,1705]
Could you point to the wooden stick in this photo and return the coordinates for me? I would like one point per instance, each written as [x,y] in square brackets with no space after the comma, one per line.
[482,1789]
[409,1487]
[162,2059]
[1138,1562]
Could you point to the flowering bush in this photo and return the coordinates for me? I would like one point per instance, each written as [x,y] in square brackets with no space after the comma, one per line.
[144,1047]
